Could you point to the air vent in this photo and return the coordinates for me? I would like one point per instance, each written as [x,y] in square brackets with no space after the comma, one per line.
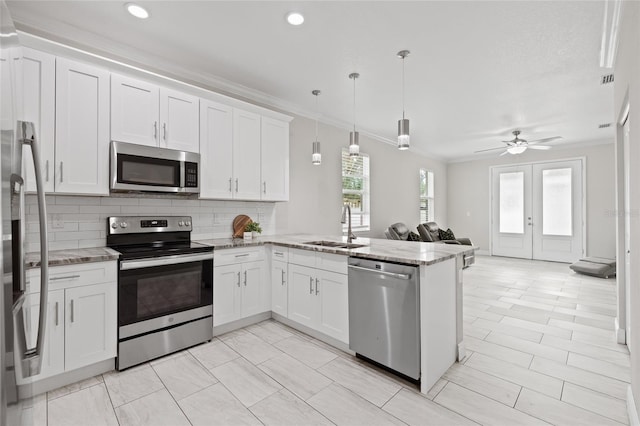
[604,126]
[606,79]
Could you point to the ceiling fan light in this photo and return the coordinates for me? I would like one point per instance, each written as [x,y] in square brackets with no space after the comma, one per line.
[516,149]
[403,134]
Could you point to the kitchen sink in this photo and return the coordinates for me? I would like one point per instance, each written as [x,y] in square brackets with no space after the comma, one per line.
[335,244]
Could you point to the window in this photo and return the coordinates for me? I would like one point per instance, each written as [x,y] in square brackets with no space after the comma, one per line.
[355,190]
[426,196]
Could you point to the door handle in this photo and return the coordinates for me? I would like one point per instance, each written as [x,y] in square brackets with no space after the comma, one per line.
[245,278]
[164,131]
[264,184]
[32,359]
[61,171]
[238,279]
[72,311]
[317,287]
[57,314]
[236,184]
[282,277]
[310,285]
[230,179]
[46,170]
[155,130]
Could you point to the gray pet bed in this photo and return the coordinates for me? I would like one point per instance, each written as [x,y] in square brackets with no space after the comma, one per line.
[595,266]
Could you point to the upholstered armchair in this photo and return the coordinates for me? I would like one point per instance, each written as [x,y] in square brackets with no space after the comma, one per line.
[398,231]
[430,232]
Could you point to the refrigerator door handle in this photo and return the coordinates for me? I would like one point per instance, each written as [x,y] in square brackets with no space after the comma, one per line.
[32,358]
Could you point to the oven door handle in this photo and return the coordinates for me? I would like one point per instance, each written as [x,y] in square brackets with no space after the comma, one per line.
[126,265]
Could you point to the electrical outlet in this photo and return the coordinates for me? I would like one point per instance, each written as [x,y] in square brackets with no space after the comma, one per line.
[57,222]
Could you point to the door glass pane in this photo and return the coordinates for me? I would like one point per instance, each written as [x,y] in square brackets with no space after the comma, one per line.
[556,202]
[512,202]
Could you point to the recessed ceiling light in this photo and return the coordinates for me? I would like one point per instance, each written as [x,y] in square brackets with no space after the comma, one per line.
[295,18]
[137,10]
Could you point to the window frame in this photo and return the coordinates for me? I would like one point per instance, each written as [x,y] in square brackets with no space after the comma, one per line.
[426,194]
[364,212]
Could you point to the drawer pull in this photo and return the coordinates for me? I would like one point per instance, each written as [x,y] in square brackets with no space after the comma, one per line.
[243,255]
[68,277]
[310,285]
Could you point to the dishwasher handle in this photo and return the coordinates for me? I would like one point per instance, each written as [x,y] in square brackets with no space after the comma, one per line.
[378,272]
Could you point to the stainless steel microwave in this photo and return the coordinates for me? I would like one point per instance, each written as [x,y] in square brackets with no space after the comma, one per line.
[141,168]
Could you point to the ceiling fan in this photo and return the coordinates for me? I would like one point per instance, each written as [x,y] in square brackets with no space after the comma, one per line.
[518,145]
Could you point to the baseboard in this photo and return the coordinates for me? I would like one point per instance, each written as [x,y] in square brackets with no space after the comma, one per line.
[241,323]
[462,351]
[313,333]
[631,408]
[483,252]
[621,334]
[64,379]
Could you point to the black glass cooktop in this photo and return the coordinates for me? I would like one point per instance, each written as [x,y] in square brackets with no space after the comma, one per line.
[133,251]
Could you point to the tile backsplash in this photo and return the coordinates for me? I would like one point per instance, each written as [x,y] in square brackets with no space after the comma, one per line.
[79,221]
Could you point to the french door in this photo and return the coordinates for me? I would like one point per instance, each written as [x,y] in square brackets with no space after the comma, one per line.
[537,211]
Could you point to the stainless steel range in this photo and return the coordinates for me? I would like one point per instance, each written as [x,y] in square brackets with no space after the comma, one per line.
[165,287]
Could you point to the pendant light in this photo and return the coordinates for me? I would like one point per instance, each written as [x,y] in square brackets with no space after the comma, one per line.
[354,142]
[316,157]
[403,124]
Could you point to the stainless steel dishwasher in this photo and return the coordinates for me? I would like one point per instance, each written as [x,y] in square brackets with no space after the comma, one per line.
[384,314]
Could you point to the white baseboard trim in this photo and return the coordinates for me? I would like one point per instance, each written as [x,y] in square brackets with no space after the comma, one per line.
[313,333]
[483,253]
[462,351]
[631,408]
[241,323]
[621,334]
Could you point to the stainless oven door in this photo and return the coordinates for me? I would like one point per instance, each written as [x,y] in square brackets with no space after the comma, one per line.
[163,291]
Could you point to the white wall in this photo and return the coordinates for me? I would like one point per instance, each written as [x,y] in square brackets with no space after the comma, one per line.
[315,191]
[627,86]
[469,192]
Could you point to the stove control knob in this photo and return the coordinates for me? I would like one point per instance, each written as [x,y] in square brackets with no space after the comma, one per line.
[181,223]
[123,224]
[188,223]
[114,225]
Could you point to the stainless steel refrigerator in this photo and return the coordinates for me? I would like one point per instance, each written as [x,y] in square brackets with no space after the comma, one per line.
[17,137]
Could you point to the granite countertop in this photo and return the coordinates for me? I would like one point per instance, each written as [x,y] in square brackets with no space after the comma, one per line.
[71,256]
[415,253]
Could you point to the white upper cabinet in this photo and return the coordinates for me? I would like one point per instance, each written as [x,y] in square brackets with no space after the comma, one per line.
[216,150]
[38,100]
[179,118]
[135,105]
[146,114]
[246,155]
[275,159]
[82,128]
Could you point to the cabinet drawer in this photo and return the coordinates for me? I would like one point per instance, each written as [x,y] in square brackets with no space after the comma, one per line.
[67,276]
[280,253]
[232,256]
[302,257]
[332,262]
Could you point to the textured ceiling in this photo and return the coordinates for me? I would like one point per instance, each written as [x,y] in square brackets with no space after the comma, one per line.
[477,70]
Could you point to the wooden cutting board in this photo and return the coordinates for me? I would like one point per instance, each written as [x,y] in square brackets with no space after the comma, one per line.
[239,223]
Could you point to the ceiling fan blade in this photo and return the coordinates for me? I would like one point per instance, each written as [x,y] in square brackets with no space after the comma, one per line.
[539,147]
[490,149]
[504,153]
[537,141]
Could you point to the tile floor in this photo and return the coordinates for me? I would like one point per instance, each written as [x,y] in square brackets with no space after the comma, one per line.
[541,350]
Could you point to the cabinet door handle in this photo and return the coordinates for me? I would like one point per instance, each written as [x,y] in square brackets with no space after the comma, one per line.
[264,189]
[236,184]
[245,278]
[155,130]
[67,277]
[46,170]
[310,285]
[282,277]
[317,291]
[72,312]
[238,279]
[164,131]
[230,179]
[56,314]
[61,172]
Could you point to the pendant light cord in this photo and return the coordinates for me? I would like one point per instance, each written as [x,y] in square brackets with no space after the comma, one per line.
[403,87]
[316,118]
[354,104]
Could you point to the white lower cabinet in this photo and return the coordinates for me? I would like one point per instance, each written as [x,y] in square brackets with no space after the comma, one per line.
[279,296]
[240,285]
[319,298]
[90,324]
[82,317]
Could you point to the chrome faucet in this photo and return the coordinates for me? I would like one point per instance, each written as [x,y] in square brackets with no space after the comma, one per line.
[347,208]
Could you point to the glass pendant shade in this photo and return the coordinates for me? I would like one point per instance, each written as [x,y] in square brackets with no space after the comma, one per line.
[403,134]
[354,144]
[316,156]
